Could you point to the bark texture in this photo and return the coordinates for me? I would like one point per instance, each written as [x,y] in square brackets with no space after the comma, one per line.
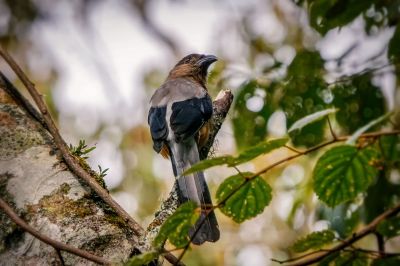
[41,189]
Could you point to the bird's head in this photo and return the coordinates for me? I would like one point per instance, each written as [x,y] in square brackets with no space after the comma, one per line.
[193,66]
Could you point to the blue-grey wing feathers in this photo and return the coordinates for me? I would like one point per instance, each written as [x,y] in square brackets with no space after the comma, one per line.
[158,126]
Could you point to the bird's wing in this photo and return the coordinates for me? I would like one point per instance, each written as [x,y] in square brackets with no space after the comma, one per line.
[189,116]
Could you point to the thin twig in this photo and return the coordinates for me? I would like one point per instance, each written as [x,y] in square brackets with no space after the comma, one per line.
[299,257]
[20,99]
[380,241]
[370,228]
[56,244]
[348,78]
[60,257]
[331,129]
[70,160]
[292,149]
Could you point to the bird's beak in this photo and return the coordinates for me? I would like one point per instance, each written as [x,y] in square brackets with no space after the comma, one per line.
[206,61]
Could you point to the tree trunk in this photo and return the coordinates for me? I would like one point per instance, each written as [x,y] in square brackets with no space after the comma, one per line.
[41,189]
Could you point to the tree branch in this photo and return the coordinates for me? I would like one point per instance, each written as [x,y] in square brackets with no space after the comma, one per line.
[370,228]
[57,245]
[70,160]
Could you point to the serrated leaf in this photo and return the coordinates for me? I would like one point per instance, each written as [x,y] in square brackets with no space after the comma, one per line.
[314,240]
[242,198]
[390,228]
[257,150]
[299,124]
[352,140]
[243,157]
[142,259]
[205,164]
[342,173]
[176,227]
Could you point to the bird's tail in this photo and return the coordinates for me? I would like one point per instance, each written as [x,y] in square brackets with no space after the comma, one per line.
[193,187]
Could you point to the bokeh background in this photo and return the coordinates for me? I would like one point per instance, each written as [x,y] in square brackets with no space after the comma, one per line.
[98,62]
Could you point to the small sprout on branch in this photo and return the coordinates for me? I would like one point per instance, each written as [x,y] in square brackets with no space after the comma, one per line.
[81,150]
[102,172]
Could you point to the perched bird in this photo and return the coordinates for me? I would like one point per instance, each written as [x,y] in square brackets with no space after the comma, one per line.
[178,119]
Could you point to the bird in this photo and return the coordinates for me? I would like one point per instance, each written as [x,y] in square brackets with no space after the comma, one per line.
[179,116]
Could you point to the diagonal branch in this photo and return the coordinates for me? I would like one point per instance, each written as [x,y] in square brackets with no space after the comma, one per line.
[56,244]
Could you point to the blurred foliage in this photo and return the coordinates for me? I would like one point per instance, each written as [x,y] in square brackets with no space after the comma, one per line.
[250,127]
[355,183]
[390,228]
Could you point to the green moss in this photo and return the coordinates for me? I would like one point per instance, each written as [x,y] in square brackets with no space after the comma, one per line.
[94,174]
[18,133]
[57,206]
[99,243]
[114,219]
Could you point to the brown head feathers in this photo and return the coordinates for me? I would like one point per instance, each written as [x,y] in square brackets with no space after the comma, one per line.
[193,66]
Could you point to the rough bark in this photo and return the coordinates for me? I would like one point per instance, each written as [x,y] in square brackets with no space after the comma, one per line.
[42,190]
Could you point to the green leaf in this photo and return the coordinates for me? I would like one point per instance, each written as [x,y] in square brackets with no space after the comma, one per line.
[176,227]
[390,228]
[299,124]
[261,148]
[205,164]
[142,259]
[342,173]
[352,140]
[243,198]
[314,240]
[243,157]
